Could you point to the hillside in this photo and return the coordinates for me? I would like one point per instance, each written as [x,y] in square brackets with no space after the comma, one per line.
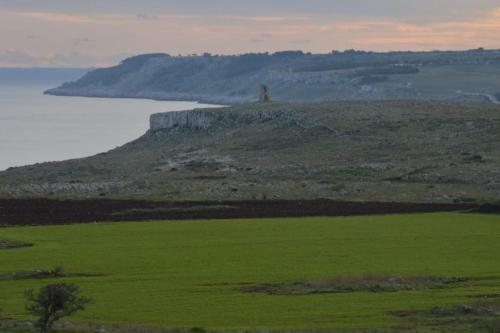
[297,76]
[376,151]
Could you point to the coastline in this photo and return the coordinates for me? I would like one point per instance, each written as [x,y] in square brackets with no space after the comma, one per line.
[62,129]
[220,101]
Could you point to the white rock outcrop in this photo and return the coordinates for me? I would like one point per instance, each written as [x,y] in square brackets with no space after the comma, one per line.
[202,119]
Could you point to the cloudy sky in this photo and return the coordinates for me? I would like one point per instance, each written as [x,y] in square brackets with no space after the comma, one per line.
[84,33]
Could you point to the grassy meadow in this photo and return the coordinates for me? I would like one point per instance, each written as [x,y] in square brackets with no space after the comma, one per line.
[189,273]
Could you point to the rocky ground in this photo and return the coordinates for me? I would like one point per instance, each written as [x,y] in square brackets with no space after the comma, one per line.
[377,151]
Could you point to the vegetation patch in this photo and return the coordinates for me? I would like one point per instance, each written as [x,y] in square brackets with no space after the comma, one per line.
[366,283]
[479,317]
[12,244]
[485,296]
[389,70]
[56,272]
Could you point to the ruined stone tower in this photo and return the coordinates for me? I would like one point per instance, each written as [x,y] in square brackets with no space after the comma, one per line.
[264,94]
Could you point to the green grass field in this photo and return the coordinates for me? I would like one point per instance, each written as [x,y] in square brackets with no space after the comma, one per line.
[186,274]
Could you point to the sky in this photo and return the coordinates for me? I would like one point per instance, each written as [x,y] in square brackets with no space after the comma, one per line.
[94,33]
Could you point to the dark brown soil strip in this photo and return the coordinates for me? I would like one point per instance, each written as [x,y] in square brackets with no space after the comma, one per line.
[18,212]
[488,209]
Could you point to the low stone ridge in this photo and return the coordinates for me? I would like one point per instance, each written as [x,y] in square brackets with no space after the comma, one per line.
[203,119]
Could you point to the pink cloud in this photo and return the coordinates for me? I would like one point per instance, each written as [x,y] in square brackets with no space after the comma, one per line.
[276,18]
[393,35]
[56,17]
[176,33]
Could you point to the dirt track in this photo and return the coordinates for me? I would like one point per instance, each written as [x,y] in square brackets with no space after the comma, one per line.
[45,212]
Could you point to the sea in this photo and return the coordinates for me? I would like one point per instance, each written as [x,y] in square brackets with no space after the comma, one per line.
[37,128]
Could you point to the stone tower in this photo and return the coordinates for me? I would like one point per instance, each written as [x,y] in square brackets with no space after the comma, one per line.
[264,94]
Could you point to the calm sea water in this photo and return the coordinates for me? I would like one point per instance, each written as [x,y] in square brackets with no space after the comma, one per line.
[38,128]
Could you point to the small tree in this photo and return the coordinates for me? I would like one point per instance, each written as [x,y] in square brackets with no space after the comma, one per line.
[54,302]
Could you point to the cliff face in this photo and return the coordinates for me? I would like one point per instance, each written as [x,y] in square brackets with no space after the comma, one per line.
[230,118]
[189,119]
[203,119]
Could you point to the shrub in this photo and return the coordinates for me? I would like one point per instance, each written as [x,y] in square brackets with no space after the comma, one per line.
[54,302]
[57,271]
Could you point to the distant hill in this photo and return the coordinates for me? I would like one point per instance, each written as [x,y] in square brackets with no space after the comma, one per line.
[298,76]
[40,75]
[377,151]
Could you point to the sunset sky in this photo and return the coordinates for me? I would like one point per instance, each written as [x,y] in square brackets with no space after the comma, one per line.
[74,33]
